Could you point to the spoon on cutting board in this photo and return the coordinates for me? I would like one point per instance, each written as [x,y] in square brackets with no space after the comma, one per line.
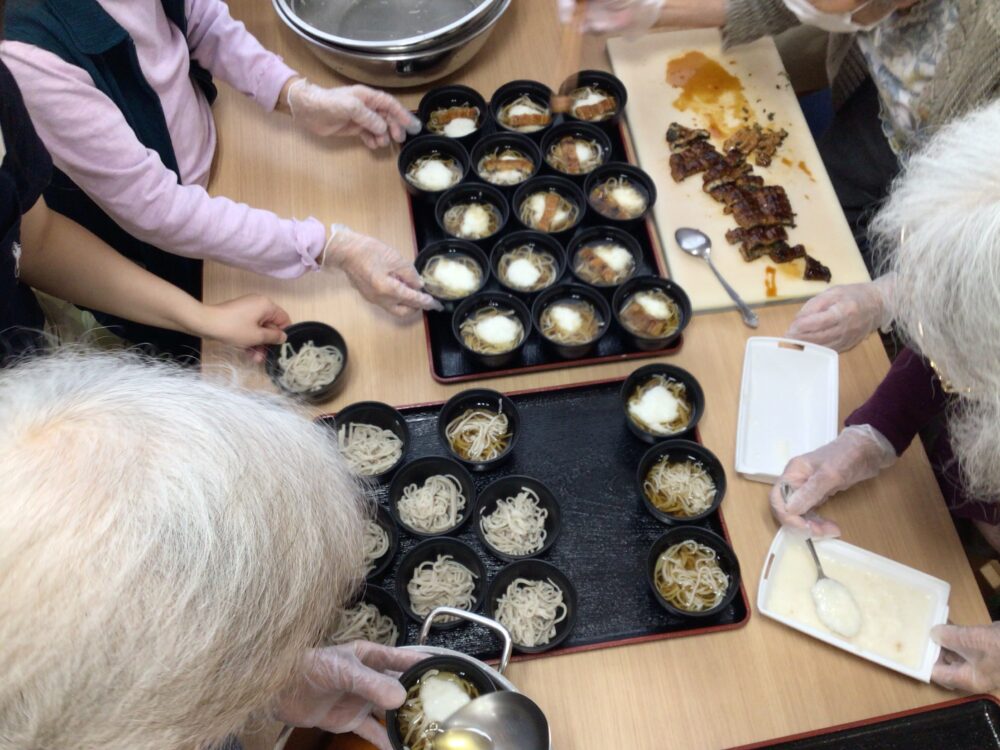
[696,243]
[835,606]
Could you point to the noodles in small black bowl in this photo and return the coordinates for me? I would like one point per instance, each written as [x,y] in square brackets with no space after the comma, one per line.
[597,97]
[431,496]
[693,572]
[536,602]
[526,262]
[652,311]
[661,401]
[373,438]
[373,616]
[454,111]
[431,164]
[549,204]
[479,427]
[619,192]
[440,572]
[452,270]
[472,212]
[517,517]
[311,365]
[604,257]
[523,106]
[505,160]
[575,149]
[491,327]
[680,481]
[571,319]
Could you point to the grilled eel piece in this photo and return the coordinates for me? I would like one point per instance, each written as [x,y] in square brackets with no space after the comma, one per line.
[755,237]
[779,252]
[696,158]
[760,143]
[679,137]
[593,111]
[441,117]
[763,207]
[732,191]
[816,271]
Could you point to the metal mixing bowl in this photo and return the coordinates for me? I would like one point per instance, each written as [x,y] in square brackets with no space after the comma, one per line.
[437,57]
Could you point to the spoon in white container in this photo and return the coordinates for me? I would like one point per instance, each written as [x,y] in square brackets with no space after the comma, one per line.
[835,606]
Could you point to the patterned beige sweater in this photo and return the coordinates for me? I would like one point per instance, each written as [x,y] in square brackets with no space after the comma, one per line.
[967,76]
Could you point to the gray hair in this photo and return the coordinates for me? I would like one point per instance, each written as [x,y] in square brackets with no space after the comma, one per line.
[946,210]
[169,548]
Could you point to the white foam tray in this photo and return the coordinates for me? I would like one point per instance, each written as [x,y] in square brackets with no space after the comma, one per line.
[788,404]
[837,549]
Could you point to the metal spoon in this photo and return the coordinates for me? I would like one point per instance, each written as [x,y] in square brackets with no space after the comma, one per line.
[696,243]
[496,721]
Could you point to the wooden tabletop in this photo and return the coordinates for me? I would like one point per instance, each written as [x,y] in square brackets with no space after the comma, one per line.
[714,691]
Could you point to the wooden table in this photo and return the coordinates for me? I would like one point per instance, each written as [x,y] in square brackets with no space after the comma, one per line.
[715,691]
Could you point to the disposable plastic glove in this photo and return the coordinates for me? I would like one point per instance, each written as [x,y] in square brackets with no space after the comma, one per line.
[250,322]
[351,110]
[340,686]
[842,316]
[970,657]
[631,17]
[377,271]
[859,452]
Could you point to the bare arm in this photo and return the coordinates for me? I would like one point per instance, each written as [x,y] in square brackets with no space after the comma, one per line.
[692,14]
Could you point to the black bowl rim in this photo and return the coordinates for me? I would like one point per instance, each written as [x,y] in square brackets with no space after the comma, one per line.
[424,106]
[556,131]
[638,284]
[338,416]
[550,501]
[569,288]
[624,167]
[444,247]
[500,202]
[533,235]
[559,578]
[383,514]
[507,403]
[442,141]
[403,598]
[274,351]
[464,477]
[676,373]
[475,153]
[465,305]
[606,78]
[619,234]
[704,455]
[709,538]
[544,182]
[544,94]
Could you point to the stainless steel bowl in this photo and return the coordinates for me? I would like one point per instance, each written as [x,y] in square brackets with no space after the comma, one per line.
[399,69]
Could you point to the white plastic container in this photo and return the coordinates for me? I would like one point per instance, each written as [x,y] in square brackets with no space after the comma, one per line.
[913,583]
[788,404]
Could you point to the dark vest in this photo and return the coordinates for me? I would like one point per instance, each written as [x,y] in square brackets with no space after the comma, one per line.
[81,33]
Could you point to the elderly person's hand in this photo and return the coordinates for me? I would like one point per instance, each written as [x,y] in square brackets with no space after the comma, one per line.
[614,16]
[842,316]
[377,271]
[970,657]
[374,115]
[858,453]
[341,686]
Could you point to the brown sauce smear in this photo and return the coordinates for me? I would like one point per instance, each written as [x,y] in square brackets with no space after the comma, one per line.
[804,168]
[770,282]
[709,90]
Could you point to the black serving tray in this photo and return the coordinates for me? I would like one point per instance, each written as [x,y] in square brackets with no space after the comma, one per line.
[575,440]
[450,364]
[967,723]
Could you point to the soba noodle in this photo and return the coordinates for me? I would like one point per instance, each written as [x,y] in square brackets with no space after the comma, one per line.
[376,544]
[364,622]
[310,368]
[526,269]
[433,172]
[479,434]
[441,583]
[505,166]
[492,330]
[530,610]
[368,449]
[603,263]
[547,211]
[651,314]
[434,506]
[680,488]
[451,276]
[574,155]
[593,104]
[619,198]
[472,221]
[660,406]
[517,526]
[570,321]
[688,575]
[524,115]
[430,702]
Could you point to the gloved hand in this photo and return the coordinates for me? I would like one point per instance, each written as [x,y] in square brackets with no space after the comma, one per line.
[340,686]
[842,316]
[351,110]
[970,657]
[377,271]
[856,454]
[249,322]
[631,17]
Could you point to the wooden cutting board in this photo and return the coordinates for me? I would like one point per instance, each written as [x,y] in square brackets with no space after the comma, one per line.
[652,106]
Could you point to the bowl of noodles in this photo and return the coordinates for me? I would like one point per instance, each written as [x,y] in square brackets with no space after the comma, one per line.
[575,149]
[652,311]
[381,542]
[431,164]
[491,327]
[571,319]
[472,212]
[693,572]
[604,257]
[526,262]
[432,496]
[372,437]
[680,482]
[620,192]
[452,270]
[440,572]
[523,107]
[374,616]
[536,602]
[456,112]
[311,365]
[436,688]
[480,427]
[549,204]
[517,517]
[506,159]
[596,97]
[661,401]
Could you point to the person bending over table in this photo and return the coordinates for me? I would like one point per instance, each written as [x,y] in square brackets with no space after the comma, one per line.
[899,70]
[42,249]
[121,93]
[945,297]
[171,552]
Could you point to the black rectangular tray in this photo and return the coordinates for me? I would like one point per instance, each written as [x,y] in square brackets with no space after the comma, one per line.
[575,440]
[450,364]
[971,723]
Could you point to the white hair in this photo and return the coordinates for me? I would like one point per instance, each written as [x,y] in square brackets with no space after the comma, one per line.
[169,548]
[946,209]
